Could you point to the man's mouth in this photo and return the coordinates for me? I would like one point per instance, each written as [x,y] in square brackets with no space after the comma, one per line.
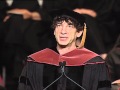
[63,38]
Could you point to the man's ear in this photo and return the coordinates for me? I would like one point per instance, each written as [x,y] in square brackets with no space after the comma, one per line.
[79,33]
[54,32]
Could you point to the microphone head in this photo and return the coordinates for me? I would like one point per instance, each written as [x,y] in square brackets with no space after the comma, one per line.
[62,63]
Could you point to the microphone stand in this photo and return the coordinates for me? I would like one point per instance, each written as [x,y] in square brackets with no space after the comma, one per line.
[62,64]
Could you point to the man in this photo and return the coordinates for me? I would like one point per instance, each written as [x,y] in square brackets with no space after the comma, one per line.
[67,66]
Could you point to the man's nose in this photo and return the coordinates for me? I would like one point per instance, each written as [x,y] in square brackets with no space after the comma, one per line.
[63,30]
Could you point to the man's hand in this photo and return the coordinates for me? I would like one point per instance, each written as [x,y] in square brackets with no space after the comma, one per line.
[116,82]
[89,12]
[26,14]
[36,16]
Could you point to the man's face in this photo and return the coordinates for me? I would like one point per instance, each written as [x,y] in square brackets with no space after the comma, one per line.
[66,34]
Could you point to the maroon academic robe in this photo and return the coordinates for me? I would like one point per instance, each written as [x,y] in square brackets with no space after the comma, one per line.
[79,69]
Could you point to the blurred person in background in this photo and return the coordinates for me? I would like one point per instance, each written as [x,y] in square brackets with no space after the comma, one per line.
[25,30]
[3,8]
[113,57]
[113,61]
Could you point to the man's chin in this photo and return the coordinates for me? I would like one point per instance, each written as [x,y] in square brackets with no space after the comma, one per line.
[62,45]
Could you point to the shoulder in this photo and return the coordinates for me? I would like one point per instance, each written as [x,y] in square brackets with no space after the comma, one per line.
[96,59]
[42,53]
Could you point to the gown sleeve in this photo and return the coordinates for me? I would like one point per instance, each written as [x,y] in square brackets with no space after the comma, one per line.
[31,77]
[96,77]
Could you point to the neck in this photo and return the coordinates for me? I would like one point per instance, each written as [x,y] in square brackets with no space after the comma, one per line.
[64,49]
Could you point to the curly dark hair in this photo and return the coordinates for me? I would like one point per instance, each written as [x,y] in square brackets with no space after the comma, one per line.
[69,20]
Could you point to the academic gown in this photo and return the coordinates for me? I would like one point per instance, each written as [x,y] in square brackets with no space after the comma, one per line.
[79,66]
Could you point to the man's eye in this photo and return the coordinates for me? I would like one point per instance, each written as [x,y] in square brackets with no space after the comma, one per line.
[70,25]
[58,25]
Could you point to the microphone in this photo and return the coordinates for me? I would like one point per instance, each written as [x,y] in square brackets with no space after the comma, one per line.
[62,65]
